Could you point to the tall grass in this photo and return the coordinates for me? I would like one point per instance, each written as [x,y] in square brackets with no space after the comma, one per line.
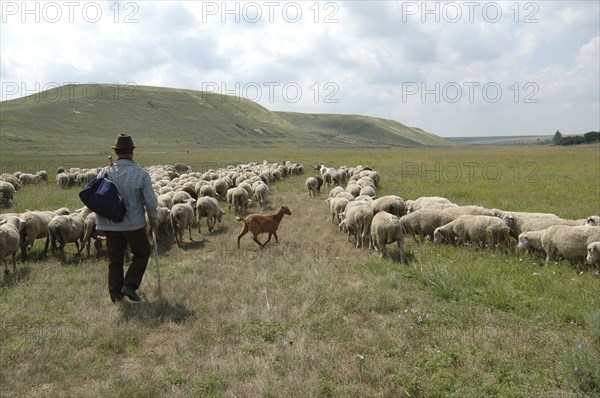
[313,315]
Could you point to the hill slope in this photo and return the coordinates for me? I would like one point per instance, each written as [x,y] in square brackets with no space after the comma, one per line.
[88,117]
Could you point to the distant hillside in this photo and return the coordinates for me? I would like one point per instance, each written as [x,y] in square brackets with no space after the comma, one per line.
[504,140]
[89,117]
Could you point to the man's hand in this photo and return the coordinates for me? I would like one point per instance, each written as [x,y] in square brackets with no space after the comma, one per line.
[154,225]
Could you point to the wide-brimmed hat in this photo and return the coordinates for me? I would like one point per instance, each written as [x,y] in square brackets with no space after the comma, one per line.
[124,141]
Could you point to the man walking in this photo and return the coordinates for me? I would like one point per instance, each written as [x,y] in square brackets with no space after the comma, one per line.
[135,188]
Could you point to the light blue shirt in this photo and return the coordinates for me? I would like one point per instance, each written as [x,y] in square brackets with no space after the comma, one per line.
[135,187]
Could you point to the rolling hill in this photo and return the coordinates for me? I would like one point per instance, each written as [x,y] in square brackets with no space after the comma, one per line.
[88,117]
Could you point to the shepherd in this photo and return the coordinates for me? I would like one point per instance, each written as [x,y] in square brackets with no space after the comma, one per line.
[135,188]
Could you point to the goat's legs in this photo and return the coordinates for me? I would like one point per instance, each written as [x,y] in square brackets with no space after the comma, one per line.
[243,232]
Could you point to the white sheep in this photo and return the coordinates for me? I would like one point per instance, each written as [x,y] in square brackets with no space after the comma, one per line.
[181,197]
[14,181]
[66,229]
[568,242]
[593,254]
[386,228]
[239,200]
[357,221]
[7,192]
[36,227]
[391,203]
[337,207]
[467,210]
[208,190]
[334,191]
[423,222]
[312,184]
[416,204]
[522,222]
[89,232]
[208,207]
[482,230]
[530,241]
[182,217]
[261,193]
[10,235]
[593,221]
[165,200]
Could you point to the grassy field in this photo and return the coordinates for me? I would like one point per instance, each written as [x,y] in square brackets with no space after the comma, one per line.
[312,316]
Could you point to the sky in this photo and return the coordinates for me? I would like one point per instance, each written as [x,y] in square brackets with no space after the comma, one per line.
[453,68]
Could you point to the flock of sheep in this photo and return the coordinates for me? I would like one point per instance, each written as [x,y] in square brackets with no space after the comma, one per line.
[184,196]
[377,221]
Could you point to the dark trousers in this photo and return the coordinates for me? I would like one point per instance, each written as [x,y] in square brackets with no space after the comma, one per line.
[116,242]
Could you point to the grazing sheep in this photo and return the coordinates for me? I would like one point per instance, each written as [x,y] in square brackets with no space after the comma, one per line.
[423,222]
[261,193]
[568,242]
[353,189]
[10,233]
[346,195]
[312,184]
[357,221]
[593,254]
[593,221]
[258,224]
[239,200]
[27,178]
[530,241]
[414,205]
[7,192]
[337,207]
[182,217]
[66,229]
[386,228]
[482,230]
[391,203]
[467,210]
[14,181]
[65,180]
[519,223]
[36,227]
[209,207]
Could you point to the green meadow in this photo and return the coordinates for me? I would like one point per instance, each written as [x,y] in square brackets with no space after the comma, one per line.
[313,316]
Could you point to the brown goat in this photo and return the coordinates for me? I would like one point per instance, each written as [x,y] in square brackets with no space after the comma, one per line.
[259,223]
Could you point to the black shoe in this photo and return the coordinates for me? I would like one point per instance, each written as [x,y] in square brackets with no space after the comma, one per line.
[130,293]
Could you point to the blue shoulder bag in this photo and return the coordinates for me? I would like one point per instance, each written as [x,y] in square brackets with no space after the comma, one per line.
[102,197]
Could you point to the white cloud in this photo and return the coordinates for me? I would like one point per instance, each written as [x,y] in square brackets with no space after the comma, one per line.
[361,61]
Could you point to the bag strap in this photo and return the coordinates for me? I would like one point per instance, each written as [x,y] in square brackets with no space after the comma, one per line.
[104,172]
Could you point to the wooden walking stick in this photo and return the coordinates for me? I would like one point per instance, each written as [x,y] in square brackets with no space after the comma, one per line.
[157,267]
